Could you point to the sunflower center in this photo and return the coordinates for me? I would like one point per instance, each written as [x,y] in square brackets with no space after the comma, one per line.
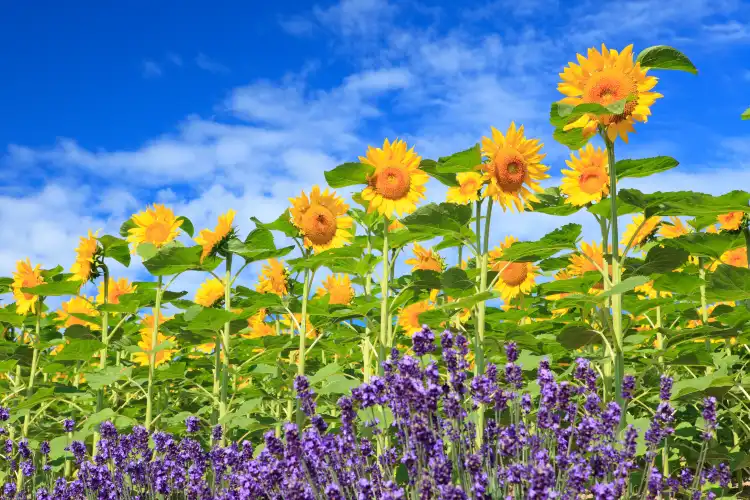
[515,274]
[510,170]
[157,232]
[393,183]
[592,180]
[319,225]
[610,86]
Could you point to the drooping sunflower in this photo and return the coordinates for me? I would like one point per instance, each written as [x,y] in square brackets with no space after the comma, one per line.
[258,326]
[674,228]
[469,184]
[115,289]
[640,230]
[588,180]
[25,276]
[77,305]
[147,329]
[321,219]
[516,278]
[605,78]
[731,221]
[425,260]
[157,225]
[209,240]
[408,319]
[82,268]
[513,169]
[209,292]
[273,278]
[647,291]
[736,257]
[339,289]
[397,184]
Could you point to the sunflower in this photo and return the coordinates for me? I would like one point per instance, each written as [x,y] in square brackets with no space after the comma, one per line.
[83,266]
[115,290]
[469,184]
[640,230]
[209,292]
[674,228]
[156,225]
[736,257]
[731,221]
[77,305]
[395,225]
[209,240]
[397,184]
[695,323]
[647,291]
[339,289]
[516,278]
[273,278]
[588,181]
[258,326]
[513,167]
[147,330]
[321,219]
[311,331]
[605,78]
[25,276]
[580,264]
[408,319]
[425,260]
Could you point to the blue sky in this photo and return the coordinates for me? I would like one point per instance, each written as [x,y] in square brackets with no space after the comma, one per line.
[110,106]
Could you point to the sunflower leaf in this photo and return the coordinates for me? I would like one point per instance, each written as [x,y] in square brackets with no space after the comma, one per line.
[729,283]
[55,289]
[575,336]
[283,224]
[126,227]
[445,219]
[573,138]
[349,174]
[176,259]
[644,167]
[625,286]
[200,318]
[431,168]
[711,245]
[659,259]
[552,202]
[563,238]
[463,161]
[665,57]
[79,350]
[187,225]
[686,202]
[116,249]
[746,114]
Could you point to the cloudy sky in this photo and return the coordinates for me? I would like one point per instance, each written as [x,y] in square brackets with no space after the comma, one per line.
[109,107]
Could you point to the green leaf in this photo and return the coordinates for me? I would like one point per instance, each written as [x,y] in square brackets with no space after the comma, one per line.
[349,174]
[426,279]
[253,253]
[686,202]
[172,371]
[552,202]
[39,395]
[660,260]
[177,259]
[456,278]
[146,250]
[339,385]
[664,57]
[8,315]
[56,289]
[573,138]
[201,318]
[126,227]
[604,208]
[711,245]
[324,373]
[79,350]
[563,238]
[111,374]
[555,263]
[575,336]
[644,167]
[677,283]
[283,224]
[430,167]
[463,161]
[625,286]
[186,225]
[115,248]
[328,258]
[445,219]
[729,283]
[746,114]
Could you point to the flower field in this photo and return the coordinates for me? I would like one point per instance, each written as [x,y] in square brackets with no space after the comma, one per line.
[493,368]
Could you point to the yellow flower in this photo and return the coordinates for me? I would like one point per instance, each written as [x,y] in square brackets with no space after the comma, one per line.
[397,184]
[731,221]
[513,168]
[209,292]
[516,278]
[210,239]
[338,288]
[695,323]
[321,219]
[425,260]
[156,225]
[736,257]
[59,347]
[469,184]
[640,231]
[311,332]
[258,326]
[408,319]
[560,276]
[25,276]
[605,78]
[395,225]
[147,329]
[84,262]
[647,291]
[580,265]
[273,278]
[77,305]
[673,230]
[115,290]
[588,181]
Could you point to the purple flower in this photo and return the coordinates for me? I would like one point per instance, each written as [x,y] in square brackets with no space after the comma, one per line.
[665,390]
[423,341]
[305,395]
[217,433]
[44,448]
[511,352]
[192,424]
[69,425]
[628,387]
[709,415]
[4,414]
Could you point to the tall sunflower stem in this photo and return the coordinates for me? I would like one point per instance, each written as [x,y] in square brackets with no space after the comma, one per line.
[34,363]
[226,345]
[481,312]
[105,341]
[152,354]
[366,353]
[382,348]
[704,306]
[302,339]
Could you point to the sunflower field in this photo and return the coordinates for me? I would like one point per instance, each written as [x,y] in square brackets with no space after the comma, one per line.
[493,368]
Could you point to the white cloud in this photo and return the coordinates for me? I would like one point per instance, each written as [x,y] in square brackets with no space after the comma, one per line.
[297,26]
[174,58]
[151,69]
[356,17]
[207,64]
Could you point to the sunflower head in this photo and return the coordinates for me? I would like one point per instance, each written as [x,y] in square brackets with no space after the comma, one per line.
[736,257]
[209,292]
[115,289]
[587,181]
[156,225]
[425,260]
[146,332]
[674,228]
[395,225]
[581,263]
[75,311]
[469,184]
[647,291]
[212,241]
[408,319]
[733,221]
[339,289]
[640,231]
[25,276]
[273,278]
[85,268]
[513,168]
[321,219]
[606,78]
[397,183]
[258,326]
[516,278]
[289,324]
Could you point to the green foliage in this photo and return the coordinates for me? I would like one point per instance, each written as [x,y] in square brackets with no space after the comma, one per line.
[664,57]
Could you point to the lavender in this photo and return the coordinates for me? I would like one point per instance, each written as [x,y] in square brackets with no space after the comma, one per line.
[192,424]
[628,387]
[423,341]
[665,390]
[709,415]
[69,425]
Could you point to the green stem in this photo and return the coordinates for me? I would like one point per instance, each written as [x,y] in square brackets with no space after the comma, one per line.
[152,354]
[217,379]
[34,363]
[384,300]
[302,338]
[223,403]
[105,341]
[367,358]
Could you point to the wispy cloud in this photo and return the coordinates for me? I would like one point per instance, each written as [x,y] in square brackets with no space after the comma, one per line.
[207,64]
[297,25]
[174,58]
[150,69]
